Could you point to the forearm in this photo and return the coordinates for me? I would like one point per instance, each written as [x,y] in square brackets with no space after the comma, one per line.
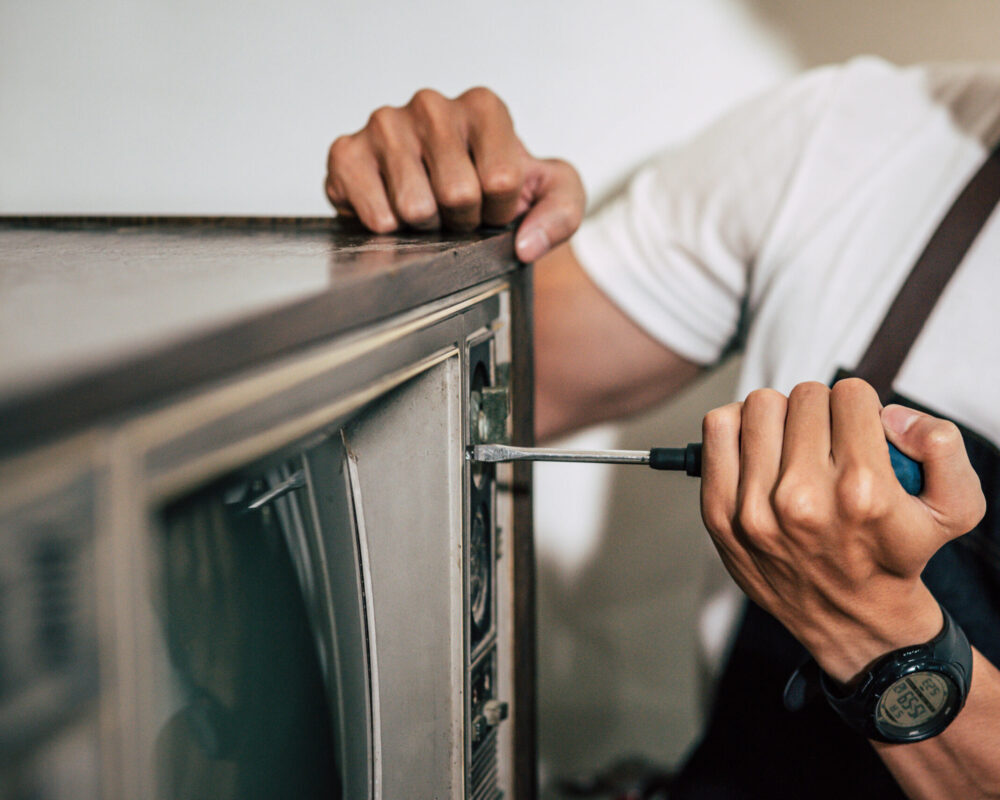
[592,363]
[964,760]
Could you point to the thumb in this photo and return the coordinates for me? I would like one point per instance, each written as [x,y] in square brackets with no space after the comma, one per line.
[557,208]
[951,486]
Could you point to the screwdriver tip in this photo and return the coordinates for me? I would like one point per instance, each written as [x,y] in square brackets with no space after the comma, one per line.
[488,452]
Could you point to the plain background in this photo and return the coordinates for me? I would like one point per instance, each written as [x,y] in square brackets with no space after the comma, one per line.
[176,106]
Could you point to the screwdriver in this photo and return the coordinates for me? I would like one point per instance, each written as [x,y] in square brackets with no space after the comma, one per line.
[688,459]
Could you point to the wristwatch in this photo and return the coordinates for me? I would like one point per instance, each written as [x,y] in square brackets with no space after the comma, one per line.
[908,695]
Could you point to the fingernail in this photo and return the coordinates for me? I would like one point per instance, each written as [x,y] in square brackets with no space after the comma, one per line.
[531,244]
[899,419]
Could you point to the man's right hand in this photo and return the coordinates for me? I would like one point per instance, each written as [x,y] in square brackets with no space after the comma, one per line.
[454,164]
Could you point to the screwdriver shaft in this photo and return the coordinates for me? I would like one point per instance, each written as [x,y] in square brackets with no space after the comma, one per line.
[503,452]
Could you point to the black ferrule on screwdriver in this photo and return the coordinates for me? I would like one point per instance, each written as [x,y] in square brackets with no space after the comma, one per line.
[677,458]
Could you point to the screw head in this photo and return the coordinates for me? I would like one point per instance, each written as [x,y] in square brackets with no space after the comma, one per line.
[495,712]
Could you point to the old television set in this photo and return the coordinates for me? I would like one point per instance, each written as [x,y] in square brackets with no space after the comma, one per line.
[289,582]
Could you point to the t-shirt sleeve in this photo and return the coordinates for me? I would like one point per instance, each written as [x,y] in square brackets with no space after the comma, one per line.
[675,248]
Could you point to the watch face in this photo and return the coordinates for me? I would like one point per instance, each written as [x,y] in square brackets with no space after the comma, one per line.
[915,704]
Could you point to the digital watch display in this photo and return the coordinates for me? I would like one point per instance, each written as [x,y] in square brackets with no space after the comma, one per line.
[918,703]
[910,694]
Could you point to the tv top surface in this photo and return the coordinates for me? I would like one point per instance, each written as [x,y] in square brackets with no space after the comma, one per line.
[100,314]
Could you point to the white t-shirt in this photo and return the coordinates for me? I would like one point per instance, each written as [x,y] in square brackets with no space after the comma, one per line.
[804,210]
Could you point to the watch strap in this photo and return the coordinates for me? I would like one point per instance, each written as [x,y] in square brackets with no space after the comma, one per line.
[948,653]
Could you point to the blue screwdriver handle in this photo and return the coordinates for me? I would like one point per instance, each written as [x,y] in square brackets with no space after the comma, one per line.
[909,472]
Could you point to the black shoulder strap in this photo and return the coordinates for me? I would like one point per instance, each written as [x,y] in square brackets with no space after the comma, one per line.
[922,287]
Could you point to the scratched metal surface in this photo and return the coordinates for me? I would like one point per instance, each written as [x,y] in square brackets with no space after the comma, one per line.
[101,314]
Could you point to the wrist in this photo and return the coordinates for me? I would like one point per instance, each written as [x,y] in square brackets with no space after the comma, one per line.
[910,694]
[913,618]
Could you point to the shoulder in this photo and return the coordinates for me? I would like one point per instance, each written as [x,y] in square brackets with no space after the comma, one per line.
[884,130]
[873,90]
[971,94]
[872,98]
[844,117]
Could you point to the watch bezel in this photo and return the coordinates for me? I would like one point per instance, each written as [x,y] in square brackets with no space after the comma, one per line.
[947,654]
[932,727]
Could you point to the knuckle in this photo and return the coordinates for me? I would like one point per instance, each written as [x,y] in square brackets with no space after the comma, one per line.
[860,494]
[565,168]
[381,224]
[570,178]
[505,179]
[944,437]
[561,222]
[431,112]
[765,399]
[415,209]
[764,404]
[427,100]
[977,510]
[809,390]
[340,150]
[722,421]
[800,504]
[715,517]
[459,195]
[755,521]
[852,388]
[383,121]
[479,98]
[970,510]
[334,193]
[572,217]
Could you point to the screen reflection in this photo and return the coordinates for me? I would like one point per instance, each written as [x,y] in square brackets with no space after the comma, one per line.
[250,717]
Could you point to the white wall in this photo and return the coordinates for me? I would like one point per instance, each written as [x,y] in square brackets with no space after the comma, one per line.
[227,107]
[176,106]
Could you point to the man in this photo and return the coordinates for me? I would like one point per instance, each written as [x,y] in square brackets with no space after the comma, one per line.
[786,229]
